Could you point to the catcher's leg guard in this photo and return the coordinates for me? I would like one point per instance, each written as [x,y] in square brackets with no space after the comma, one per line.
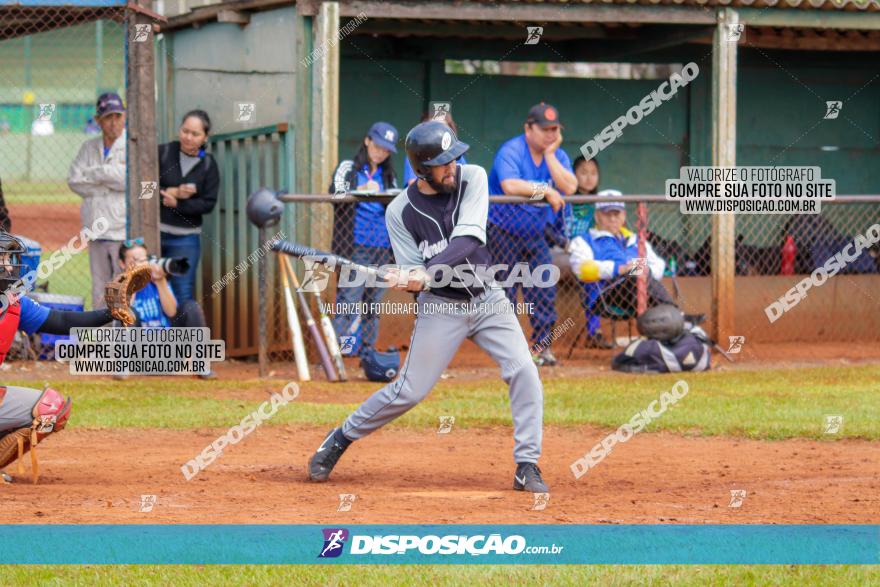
[27,416]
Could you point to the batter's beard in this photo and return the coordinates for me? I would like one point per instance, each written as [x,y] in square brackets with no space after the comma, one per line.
[442,188]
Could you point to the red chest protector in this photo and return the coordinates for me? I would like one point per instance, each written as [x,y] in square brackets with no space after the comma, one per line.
[8,328]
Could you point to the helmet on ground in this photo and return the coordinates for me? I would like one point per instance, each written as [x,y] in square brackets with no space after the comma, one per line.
[664,323]
[431,144]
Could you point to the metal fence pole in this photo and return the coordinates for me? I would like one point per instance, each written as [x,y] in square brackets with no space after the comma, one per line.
[262,306]
[642,283]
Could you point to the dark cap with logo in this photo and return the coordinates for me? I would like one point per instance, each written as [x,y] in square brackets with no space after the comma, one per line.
[108,103]
[544,115]
[384,135]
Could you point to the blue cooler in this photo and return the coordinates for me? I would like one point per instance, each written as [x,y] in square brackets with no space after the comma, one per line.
[56,302]
[31,259]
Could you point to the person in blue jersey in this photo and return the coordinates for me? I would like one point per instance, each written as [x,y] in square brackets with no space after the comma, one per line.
[445,117]
[156,306]
[359,229]
[532,165]
[28,415]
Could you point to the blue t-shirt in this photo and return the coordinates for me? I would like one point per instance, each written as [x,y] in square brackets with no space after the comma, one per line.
[106,152]
[409,174]
[514,161]
[369,217]
[32,315]
[148,307]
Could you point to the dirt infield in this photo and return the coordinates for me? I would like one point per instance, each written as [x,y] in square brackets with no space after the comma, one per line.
[422,477]
[51,225]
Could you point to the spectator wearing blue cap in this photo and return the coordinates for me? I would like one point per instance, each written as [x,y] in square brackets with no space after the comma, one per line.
[533,165]
[359,228]
[97,174]
[607,256]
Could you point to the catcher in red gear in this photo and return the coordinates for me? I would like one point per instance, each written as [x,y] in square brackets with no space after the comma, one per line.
[27,416]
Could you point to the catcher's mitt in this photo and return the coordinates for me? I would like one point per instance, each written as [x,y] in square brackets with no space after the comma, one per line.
[119,291]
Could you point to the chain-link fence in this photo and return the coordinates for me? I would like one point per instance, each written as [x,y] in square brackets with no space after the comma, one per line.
[54,63]
[772,254]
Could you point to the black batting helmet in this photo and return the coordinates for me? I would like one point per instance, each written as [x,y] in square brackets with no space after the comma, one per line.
[431,144]
[664,323]
[264,208]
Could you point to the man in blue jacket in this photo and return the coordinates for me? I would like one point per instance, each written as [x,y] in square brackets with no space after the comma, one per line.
[606,257]
[532,165]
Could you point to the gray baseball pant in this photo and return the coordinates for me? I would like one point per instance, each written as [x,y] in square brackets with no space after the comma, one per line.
[104,265]
[440,327]
[16,409]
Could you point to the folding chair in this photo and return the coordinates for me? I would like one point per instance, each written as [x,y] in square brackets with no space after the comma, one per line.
[616,313]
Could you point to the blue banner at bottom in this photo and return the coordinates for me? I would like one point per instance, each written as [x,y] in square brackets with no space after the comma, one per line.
[440,544]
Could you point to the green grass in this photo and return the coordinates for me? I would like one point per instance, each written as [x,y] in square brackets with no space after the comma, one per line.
[73,278]
[181,576]
[38,192]
[773,404]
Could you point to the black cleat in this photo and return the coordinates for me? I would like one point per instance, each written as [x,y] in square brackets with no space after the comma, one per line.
[528,478]
[325,458]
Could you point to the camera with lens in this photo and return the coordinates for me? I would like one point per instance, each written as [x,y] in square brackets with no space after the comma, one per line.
[171,265]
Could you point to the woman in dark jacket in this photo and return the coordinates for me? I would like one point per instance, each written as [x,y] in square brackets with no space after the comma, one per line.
[359,229]
[189,181]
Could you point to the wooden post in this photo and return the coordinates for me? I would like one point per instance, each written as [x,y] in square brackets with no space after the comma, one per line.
[325,117]
[723,154]
[142,150]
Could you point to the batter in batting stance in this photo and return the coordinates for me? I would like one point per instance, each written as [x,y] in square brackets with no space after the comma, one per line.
[438,227]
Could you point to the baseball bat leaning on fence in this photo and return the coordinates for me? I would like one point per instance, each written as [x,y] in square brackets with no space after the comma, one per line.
[326,361]
[330,336]
[299,350]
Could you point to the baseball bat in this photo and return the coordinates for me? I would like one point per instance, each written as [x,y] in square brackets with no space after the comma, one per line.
[326,362]
[327,327]
[299,350]
[324,258]
[721,350]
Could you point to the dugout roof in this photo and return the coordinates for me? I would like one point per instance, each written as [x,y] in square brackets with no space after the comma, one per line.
[817,25]
[25,17]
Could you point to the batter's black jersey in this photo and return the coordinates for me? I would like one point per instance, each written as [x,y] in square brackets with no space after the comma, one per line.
[420,226]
